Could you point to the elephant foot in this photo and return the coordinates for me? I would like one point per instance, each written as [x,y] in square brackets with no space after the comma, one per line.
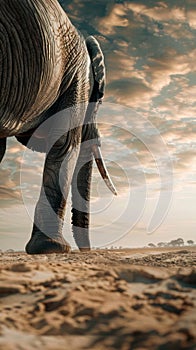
[81,237]
[42,244]
[85,250]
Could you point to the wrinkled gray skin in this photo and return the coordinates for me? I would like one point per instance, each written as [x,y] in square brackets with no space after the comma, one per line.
[47,67]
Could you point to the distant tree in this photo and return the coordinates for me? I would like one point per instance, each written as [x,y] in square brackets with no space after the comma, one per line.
[180,241]
[176,242]
[151,245]
[190,242]
[172,243]
[162,244]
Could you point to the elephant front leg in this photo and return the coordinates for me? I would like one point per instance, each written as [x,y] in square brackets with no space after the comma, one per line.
[49,213]
[81,197]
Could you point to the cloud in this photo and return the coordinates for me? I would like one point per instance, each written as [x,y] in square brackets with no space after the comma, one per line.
[178,31]
[9,188]
[181,103]
[186,159]
[159,12]
[20,171]
[121,65]
[160,69]
[137,87]
[132,92]
[116,18]
[191,15]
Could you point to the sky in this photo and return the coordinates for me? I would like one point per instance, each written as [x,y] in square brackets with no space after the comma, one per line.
[147,122]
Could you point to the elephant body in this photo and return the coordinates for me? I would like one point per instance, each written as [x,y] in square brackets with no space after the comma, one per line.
[42,55]
[51,82]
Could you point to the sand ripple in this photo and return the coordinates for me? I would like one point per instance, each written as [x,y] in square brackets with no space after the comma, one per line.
[101,300]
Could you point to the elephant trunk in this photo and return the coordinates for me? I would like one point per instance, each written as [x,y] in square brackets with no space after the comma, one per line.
[81,183]
[90,147]
[98,70]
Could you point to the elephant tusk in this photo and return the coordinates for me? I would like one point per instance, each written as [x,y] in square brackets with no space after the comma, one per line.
[102,168]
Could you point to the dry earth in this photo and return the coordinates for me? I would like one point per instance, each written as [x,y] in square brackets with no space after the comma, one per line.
[124,299]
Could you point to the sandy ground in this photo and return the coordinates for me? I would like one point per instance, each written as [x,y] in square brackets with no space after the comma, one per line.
[124,299]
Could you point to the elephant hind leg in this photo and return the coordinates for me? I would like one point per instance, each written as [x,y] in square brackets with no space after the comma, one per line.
[2,148]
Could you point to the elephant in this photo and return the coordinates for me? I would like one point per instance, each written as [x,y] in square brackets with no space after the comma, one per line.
[52,82]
